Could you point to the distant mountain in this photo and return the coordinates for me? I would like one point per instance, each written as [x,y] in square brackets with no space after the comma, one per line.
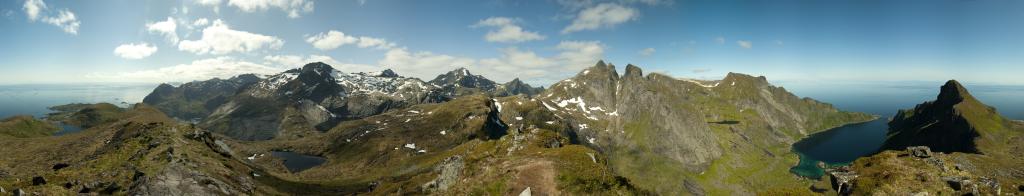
[954,122]
[313,98]
[196,100]
[461,82]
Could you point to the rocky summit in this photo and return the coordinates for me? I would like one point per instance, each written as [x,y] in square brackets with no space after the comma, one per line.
[954,122]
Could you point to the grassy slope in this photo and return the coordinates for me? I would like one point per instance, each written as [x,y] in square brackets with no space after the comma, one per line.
[26,126]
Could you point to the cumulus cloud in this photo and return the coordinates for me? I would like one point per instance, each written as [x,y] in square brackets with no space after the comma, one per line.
[506,31]
[219,38]
[580,4]
[647,51]
[292,7]
[36,10]
[422,64]
[219,67]
[700,70]
[605,15]
[297,61]
[200,22]
[333,39]
[215,4]
[745,44]
[134,51]
[168,28]
[571,56]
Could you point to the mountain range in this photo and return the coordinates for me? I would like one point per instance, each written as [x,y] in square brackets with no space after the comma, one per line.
[596,133]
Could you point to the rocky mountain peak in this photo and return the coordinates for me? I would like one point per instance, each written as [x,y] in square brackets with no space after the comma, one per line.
[633,71]
[463,78]
[388,73]
[952,93]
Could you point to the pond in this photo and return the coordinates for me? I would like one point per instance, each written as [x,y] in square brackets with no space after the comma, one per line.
[839,146]
[296,162]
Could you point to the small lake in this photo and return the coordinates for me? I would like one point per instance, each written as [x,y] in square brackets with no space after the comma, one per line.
[839,146]
[296,162]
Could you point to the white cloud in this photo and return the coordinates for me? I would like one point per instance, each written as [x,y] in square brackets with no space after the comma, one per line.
[333,39]
[779,42]
[330,40]
[720,40]
[296,61]
[134,51]
[33,8]
[580,4]
[201,22]
[219,38]
[65,19]
[423,64]
[215,4]
[647,51]
[507,31]
[572,57]
[745,44]
[204,69]
[168,28]
[292,7]
[605,15]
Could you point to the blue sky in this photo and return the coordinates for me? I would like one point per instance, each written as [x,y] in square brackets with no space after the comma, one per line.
[540,41]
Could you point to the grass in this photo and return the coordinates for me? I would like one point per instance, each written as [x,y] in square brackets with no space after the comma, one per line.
[25,127]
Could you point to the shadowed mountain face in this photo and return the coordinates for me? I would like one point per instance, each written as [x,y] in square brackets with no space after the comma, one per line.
[952,122]
[196,100]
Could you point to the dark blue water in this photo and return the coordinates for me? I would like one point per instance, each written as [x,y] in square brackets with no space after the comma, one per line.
[296,162]
[842,145]
[838,146]
[34,99]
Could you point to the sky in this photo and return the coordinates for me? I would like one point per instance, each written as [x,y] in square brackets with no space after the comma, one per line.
[539,41]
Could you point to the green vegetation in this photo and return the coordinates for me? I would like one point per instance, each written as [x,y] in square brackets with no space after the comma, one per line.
[26,126]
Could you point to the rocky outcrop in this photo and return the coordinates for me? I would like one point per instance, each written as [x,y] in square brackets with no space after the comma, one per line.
[950,123]
[448,171]
[842,179]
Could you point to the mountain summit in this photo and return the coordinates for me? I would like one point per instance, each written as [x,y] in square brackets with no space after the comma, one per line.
[953,122]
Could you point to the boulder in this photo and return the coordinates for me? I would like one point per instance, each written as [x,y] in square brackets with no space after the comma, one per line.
[449,171]
[2,190]
[38,180]
[19,192]
[920,151]
[59,166]
[526,192]
[842,179]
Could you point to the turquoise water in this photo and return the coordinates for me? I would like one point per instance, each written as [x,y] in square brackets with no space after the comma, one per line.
[838,146]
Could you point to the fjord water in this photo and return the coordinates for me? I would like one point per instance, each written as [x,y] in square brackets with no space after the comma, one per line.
[35,99]
[842,145]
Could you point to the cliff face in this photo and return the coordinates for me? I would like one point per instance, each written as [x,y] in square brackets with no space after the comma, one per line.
[658,129]
[953,122]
